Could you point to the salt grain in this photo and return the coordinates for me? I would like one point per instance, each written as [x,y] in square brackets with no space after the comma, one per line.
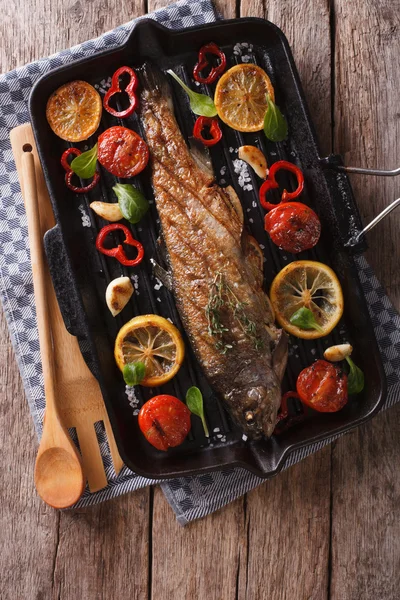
[85,217]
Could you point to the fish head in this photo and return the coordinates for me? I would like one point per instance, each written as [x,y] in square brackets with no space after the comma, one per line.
[254,404]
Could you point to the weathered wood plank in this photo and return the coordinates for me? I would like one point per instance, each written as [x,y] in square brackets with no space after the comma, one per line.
[365,479]
[306,25]
[288,518]
[367,119]
[201,560]
[99,552]
[28,527]
[366,511]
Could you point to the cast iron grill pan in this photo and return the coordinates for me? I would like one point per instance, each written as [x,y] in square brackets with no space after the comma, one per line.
[81,274]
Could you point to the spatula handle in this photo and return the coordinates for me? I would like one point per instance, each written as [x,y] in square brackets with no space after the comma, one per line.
[39,275]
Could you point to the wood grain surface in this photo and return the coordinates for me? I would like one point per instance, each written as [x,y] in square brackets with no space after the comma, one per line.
[327,528]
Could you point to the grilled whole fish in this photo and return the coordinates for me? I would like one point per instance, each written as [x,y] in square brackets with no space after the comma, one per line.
[216,269]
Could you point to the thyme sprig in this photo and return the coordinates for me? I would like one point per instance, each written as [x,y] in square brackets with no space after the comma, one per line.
[221,297]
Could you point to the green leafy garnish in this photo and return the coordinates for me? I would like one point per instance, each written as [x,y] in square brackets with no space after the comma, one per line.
[194,402]
[84,165]
[275,124]
[132,203]
[355,378]
[305,319]
[134,373]
[199,103]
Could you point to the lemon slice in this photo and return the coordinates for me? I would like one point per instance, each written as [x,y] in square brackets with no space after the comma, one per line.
[74,111]
[310,284]
[154,341]
[241,97]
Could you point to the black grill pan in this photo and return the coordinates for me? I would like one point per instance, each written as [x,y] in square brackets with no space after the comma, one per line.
[80,274]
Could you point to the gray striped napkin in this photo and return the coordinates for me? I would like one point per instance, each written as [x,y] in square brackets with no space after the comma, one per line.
[190,497]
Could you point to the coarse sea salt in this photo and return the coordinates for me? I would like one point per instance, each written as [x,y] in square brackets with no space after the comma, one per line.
[85,217]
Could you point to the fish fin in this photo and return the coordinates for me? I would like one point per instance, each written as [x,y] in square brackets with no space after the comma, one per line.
[156,82]
[280,355]
[254,256]
[162,252]
[235,201]
[164,276]
[201,156]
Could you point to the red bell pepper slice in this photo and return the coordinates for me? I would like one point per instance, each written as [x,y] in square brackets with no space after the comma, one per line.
[284,420]
[271,183]
[119,252]
[69,173]
[130,90]
[215,130]
[202,63]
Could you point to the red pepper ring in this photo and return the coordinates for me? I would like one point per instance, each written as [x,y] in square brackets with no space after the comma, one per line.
[130,90]
[119,252]
[284,421]
[215,130]
[202,63]
[271,183]
[70,173]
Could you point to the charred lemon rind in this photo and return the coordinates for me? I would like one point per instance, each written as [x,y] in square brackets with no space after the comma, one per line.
[74,110]
[284,306]
[162,324]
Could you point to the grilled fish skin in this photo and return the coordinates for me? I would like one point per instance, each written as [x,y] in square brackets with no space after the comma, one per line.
[216,270]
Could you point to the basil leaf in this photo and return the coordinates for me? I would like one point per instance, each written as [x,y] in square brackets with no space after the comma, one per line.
[201,104]
[132,203]
[355,378]
[194,402]
[275,124]
[84,165]
[305,319]
[134,373]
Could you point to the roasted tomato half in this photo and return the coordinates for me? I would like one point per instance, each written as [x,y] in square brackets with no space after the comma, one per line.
[164,421]
[122,152]
[293,226]
[323,387]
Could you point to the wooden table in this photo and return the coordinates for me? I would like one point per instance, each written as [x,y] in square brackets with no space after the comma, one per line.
[329,527]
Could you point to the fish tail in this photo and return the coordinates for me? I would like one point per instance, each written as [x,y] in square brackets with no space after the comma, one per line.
[155,83]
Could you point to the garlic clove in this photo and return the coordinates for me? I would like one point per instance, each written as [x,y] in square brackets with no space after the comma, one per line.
[337,353]
[255,159]
[118,293]
[106,210]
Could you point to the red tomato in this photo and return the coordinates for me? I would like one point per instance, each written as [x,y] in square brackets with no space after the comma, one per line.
[323,387]
[164,421]
[293,226]
[122,152]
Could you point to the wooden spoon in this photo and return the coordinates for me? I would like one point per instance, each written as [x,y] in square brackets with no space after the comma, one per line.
[59,477]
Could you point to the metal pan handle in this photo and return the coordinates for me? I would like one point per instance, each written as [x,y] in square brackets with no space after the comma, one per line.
[68,297]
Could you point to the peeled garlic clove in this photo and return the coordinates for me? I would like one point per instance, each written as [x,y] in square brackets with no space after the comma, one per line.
[337,353]
[118,293]
[106,210]
[255,158]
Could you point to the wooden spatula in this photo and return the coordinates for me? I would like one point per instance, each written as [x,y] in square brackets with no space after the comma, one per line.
[79,400]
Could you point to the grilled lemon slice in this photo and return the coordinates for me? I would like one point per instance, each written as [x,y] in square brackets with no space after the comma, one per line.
[74,111]
[154,341]
[241,97]
[310,284]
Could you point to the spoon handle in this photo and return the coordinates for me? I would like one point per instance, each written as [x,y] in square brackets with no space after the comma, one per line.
[39,279]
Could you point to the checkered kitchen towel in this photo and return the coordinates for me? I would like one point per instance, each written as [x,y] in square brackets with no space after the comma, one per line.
[190,497]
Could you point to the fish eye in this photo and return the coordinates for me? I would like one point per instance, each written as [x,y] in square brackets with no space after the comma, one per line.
[249,417]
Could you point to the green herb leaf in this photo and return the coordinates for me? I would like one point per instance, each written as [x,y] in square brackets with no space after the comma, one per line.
[305,319]
[132,203]
[355,378]
[275,124]
[194,401]
[133,373]
[199,103]
[84,165]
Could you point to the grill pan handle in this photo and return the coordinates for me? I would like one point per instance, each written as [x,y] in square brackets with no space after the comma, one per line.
[68,297]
